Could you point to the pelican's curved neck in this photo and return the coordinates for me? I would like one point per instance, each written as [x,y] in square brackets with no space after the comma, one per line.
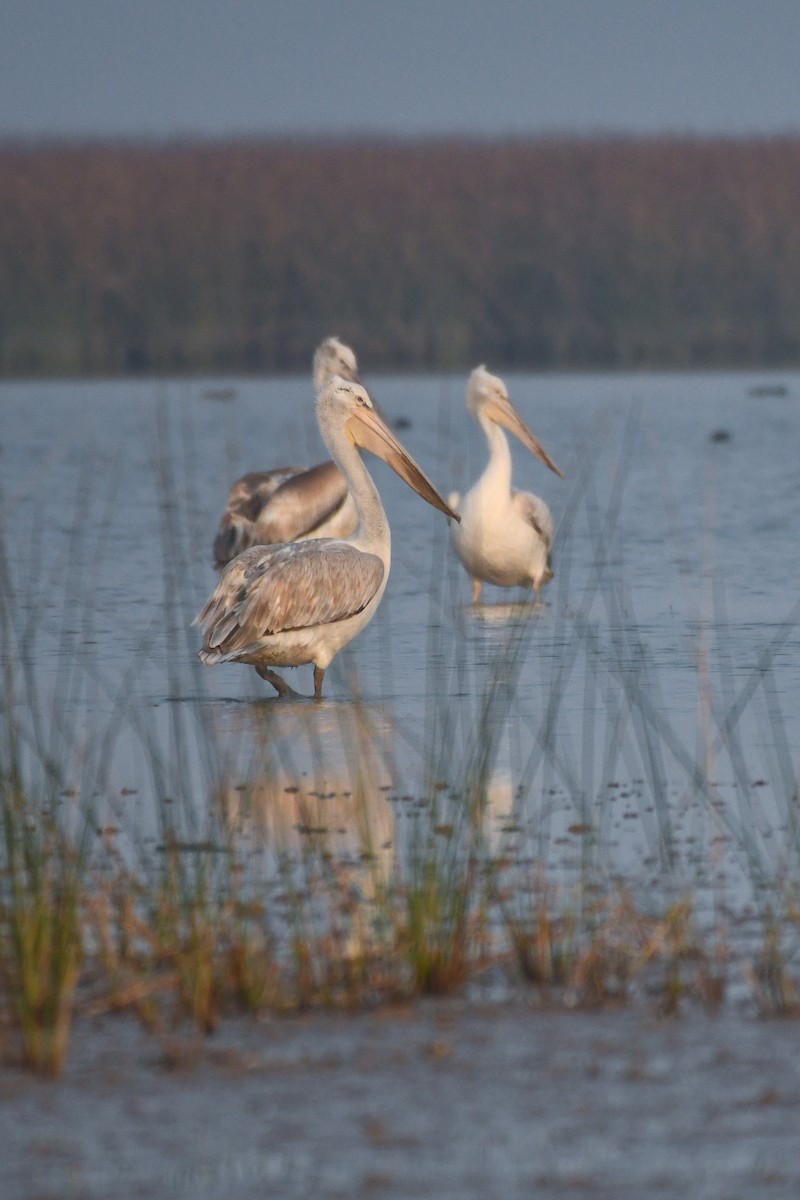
[498,469]
[373,526]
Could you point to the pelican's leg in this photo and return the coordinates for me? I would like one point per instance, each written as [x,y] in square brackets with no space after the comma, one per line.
[319,675]
[280,685]
[477,584]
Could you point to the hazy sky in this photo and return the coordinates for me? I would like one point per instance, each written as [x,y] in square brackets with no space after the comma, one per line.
[163,67]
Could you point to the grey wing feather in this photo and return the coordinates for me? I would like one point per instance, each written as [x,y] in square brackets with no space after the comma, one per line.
[301,504]
[272,589]
[536,513]
[250,493]
[246,499]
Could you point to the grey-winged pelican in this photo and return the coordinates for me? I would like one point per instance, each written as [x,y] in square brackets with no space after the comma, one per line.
[290,504]
[505,537]
[285,605]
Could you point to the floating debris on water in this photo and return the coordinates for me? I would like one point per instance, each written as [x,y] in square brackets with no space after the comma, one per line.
[760,390]
[223,394]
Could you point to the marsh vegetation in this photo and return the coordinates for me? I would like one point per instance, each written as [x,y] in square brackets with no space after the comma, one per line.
[197,257]
[564,797]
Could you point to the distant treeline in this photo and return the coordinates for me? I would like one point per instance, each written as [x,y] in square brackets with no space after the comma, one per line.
[438,254]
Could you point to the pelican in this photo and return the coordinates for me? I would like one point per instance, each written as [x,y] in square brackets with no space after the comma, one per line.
[505,536]
[290,504]
[286,605]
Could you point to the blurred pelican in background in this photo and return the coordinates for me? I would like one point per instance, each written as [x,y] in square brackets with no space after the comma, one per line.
[301,602]
[505,537]
[290,504]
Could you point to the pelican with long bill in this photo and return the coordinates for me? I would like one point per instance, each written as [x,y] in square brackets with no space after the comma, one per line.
[506,536]
[288,604]
[291,504]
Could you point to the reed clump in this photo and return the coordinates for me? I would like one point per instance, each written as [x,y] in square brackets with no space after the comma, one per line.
[592,948]
[41,929]
[44,863]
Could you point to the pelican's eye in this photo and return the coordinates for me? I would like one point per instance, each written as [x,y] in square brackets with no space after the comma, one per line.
[362,400]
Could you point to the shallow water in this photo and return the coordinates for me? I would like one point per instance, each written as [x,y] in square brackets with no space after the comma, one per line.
[677,580]
[436,1102]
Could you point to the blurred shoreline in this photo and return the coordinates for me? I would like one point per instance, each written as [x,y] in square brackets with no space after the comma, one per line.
[224,257]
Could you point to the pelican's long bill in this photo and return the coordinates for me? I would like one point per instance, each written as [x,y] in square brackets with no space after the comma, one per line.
[504,413]
[369,431]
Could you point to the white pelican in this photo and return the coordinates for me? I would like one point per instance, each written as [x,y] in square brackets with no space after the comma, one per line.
[285,605]
[505,536]
[290,504]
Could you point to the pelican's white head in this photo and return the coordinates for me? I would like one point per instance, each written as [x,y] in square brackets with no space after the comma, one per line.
[484,387]
[346,413]
[487,401]
[339,398]
[333,357]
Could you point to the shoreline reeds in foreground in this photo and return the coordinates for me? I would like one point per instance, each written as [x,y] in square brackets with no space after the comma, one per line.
[356,863]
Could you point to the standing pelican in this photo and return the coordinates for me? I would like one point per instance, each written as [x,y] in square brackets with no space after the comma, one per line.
[505,537]
[290,504]
[285,605]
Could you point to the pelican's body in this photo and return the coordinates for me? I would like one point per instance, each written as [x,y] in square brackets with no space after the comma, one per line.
[286,605]
[290,504]
[505,537]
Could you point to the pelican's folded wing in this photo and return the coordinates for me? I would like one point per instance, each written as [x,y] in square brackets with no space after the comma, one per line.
[250,493]
[246,499]
[536,513]
[301,504]
[273,589]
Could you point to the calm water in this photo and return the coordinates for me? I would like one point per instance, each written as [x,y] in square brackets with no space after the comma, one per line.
[674,603]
